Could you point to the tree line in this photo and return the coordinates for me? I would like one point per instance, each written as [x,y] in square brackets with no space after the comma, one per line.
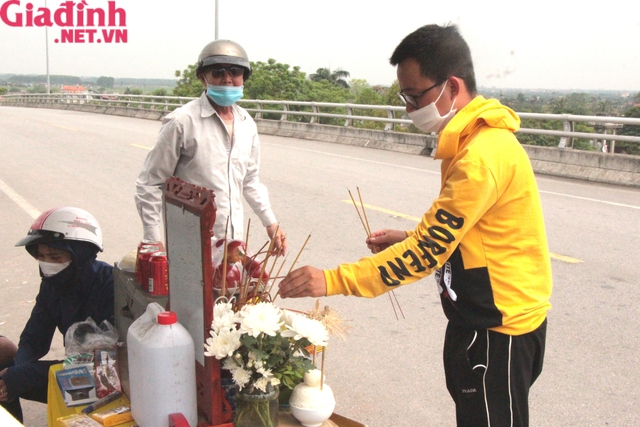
[272,80]
[582,104]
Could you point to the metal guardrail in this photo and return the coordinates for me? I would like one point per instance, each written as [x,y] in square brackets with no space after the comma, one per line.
[395,115]
[151,102]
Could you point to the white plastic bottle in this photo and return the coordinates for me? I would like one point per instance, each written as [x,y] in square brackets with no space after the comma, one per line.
[162,377]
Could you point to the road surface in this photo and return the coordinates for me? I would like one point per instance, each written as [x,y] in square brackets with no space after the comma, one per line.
[388,372]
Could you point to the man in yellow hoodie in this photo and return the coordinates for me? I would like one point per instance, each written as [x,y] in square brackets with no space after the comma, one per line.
[483,237]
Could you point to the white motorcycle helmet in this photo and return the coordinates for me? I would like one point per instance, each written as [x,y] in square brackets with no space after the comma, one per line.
[66,223]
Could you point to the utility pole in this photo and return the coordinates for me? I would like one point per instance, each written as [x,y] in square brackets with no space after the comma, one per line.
[216,21]
[46,40]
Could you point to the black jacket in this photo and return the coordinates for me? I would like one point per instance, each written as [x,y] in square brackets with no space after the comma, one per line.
[82,290]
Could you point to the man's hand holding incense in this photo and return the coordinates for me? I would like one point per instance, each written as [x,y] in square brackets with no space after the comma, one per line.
[382,239]
[305,281]
[280,243]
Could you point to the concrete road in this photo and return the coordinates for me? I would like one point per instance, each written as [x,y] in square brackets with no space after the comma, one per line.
[388,372]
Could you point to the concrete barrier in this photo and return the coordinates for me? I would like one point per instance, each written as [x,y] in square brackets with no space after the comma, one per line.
[139,113]
[609,168]
[384,140]
[619,169]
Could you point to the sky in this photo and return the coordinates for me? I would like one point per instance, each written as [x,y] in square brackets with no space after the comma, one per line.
[556,45]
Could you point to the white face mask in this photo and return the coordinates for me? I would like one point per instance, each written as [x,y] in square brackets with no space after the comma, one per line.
[428,118]
[52,268]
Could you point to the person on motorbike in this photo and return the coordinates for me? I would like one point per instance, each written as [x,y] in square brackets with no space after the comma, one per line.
[75,285]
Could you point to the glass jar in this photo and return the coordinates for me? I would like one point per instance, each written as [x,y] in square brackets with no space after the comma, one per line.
[257,408]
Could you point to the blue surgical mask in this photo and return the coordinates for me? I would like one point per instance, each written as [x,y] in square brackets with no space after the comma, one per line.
[224,96]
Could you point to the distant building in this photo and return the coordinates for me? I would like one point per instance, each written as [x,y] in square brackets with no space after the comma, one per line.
[77,89]
[75,94]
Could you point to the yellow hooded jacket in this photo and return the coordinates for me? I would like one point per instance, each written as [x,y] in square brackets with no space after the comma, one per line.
[483,236]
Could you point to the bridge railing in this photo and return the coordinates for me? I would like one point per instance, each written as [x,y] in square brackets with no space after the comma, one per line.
[351,115]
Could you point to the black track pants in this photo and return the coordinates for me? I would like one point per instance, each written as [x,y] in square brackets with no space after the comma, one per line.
[489,374]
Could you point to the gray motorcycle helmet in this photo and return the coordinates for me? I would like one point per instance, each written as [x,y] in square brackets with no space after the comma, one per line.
[223,52]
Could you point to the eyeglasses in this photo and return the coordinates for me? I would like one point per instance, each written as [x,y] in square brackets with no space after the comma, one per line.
[234,71]
[413,99]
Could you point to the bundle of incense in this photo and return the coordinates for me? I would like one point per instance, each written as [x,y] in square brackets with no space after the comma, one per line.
[367,229]
[251,289]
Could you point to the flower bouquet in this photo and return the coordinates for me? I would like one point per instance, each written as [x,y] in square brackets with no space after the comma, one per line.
[262,346]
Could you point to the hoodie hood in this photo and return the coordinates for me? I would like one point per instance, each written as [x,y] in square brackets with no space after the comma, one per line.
[476,114]
[83,254]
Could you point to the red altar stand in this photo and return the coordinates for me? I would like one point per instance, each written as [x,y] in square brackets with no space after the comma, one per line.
[189,214]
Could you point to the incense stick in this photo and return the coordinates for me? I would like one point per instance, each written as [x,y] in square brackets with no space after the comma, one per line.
[364,212]
[358,211]
[277,276]
[223,290]
[270,272]
[393,306]
[367,229]
[266,258]
[295,260]
[245,282]
[246,236]
[264,262]
[248,284]
[273,267]
[243,278]
[324,352]
[298,256]
[399,308]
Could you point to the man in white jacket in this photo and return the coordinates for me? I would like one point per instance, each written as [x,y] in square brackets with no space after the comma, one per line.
[213,143]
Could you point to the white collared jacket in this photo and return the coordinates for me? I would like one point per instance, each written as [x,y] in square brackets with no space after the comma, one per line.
[194,145]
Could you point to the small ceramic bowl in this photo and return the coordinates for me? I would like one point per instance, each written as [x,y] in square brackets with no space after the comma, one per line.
[312,417]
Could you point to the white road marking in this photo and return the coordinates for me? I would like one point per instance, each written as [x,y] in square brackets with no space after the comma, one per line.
[19,200]
[351,158]
[591,200]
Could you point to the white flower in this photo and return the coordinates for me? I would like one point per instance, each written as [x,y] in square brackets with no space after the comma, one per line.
[225,321]
[261,384]
[263,371]
[288,316]
[223,344]
[304,327]
[260,318]
[241,377]
[223,317]
[222,308]
[230,364]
